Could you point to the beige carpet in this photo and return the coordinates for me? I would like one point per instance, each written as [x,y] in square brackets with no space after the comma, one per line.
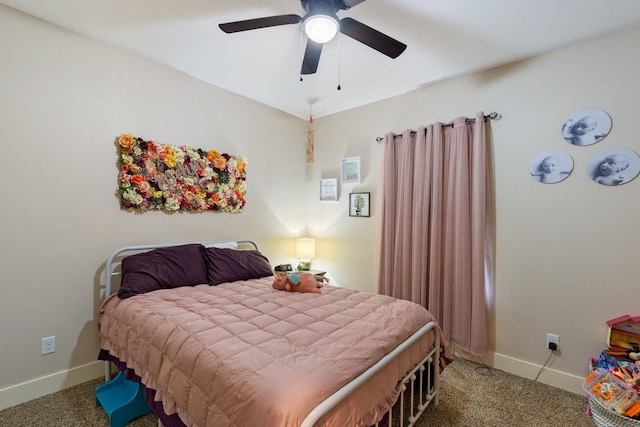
[471,396]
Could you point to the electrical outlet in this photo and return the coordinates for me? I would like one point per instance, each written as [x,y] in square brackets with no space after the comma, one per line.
[555,339]
[48,345]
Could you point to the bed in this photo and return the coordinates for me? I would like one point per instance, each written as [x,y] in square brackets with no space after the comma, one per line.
[200,326]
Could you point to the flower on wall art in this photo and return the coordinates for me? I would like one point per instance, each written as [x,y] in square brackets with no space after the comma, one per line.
[156,176]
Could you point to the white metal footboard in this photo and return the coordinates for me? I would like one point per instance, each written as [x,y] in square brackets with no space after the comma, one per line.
[429,365]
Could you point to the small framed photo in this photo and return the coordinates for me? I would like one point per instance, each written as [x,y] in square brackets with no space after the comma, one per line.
[359,204]
[329,190]
[351,170]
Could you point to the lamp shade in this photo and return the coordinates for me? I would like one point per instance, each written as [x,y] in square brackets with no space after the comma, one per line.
[320,28]
[305,248]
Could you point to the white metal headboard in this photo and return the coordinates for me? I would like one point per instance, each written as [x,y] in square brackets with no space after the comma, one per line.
[113,260]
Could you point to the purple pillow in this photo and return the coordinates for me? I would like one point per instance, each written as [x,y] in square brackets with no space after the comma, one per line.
[162,268]
[229,265]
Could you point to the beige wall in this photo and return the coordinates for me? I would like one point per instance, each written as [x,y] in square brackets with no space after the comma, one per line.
[63,101]
[565,252]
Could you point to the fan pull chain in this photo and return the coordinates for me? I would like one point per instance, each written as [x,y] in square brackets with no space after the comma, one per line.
[339,58]
[301,49]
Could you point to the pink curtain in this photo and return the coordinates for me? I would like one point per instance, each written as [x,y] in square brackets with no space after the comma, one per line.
[435,226]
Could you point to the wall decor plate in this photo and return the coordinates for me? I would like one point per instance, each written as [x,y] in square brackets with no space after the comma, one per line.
[586,127]
[613,166]
[551,166]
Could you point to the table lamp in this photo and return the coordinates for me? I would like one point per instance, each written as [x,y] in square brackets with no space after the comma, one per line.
[305,251]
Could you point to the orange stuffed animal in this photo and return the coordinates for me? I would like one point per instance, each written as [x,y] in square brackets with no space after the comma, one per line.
[299,282]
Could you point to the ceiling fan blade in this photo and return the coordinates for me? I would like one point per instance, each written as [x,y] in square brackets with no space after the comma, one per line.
[311,57]
[253,24]
[372,38]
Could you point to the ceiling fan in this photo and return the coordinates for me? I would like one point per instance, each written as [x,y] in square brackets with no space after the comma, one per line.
[321,24]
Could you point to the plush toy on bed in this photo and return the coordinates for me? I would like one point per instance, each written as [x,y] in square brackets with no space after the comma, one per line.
[299,282]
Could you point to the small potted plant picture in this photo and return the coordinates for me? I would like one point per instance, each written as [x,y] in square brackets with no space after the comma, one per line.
[359,204]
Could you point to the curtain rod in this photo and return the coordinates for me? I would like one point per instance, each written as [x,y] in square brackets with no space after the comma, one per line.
[491,116]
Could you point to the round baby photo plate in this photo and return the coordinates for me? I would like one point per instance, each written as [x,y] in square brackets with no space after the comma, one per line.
[614,166]
[551,166]
[586,127]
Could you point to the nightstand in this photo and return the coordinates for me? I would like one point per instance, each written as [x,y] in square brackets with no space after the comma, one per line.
[312,271]
[316,272]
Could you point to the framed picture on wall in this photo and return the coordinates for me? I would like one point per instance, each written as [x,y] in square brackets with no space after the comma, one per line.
[359,204]
[351,170]
[329,189]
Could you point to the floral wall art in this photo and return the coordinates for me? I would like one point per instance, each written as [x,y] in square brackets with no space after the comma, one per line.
[156,176]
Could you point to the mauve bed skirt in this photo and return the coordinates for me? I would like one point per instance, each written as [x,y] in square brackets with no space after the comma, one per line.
[149,393]
[174,420]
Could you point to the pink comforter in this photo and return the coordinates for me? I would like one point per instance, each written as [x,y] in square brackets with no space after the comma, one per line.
[244,354]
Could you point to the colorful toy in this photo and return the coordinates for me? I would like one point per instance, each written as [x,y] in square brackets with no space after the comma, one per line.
[299,282]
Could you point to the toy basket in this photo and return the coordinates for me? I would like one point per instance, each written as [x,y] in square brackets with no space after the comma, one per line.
[604,417]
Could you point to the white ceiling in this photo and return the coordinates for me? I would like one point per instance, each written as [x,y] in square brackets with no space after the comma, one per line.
[445,38]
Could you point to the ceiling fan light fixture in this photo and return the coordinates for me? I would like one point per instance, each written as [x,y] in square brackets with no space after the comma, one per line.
[320,28]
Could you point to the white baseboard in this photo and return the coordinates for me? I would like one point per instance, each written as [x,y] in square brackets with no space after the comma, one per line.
[20,393]
[522,368]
